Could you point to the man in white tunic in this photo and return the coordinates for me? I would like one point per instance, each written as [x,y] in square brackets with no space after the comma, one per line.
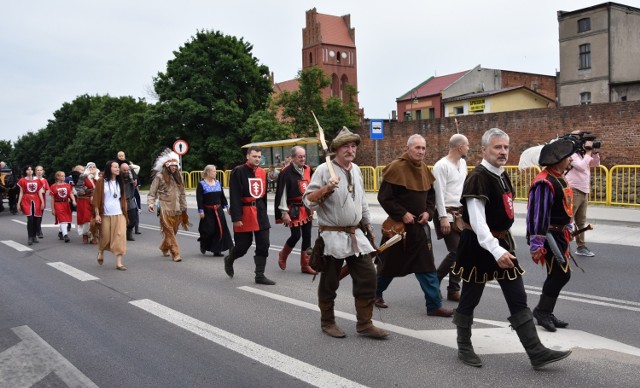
[450,172]
[341,207]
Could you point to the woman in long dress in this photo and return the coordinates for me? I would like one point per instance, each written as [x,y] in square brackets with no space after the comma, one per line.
[214,232]
[110,207]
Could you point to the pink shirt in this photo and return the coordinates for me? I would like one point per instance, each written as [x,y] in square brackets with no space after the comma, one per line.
[579,177]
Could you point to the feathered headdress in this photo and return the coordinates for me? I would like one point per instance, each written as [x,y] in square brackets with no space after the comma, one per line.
[165,159]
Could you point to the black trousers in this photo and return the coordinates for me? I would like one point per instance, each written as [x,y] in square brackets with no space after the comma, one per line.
[303,231]
[513,291]
[556,280]
[244,240]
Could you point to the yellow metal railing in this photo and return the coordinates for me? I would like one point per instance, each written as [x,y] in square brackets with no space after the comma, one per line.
[623,185]
[618,186]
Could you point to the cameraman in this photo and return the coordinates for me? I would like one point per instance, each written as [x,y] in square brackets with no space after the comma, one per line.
[579,177]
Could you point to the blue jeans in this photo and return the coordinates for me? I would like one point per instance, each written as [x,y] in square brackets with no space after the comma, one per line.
[428,282]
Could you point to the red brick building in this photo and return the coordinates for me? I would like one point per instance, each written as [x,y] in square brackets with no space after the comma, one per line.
[328,42]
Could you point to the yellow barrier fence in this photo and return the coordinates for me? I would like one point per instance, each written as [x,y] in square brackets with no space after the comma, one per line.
[618,186]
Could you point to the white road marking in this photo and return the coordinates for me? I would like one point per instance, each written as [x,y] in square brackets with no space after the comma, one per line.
[498,340]
[72,271]
[32,359]
[271,358]
[17,246]
[43,225]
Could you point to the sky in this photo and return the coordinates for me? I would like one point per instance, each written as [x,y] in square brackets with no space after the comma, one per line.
[56,50]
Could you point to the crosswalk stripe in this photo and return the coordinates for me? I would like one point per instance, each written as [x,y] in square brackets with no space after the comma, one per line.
[17,246]
[72,271]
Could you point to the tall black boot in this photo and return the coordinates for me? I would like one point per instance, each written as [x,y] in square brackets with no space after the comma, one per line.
[539,355]
[542,312]
[228,262]
[465,348]
[261,263]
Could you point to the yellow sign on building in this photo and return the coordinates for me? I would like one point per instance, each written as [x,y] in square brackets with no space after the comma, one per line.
[476,105]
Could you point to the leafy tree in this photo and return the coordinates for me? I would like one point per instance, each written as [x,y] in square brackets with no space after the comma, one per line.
[207,94]
[264,126]
[333,113]
[5,151]
[90,128]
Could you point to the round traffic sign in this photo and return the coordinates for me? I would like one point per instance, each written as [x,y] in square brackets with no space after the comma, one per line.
[181,147]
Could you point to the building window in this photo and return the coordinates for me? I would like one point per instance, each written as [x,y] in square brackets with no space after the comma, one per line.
[458,110]
[584,25]
[585,56]
[585,98]
[418,114]
[310,58]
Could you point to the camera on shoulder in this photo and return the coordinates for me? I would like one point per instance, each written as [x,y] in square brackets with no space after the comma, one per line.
[579,139]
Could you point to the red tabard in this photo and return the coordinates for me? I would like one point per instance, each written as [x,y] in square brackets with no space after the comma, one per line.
[61,193]
[30,189]
[257,189]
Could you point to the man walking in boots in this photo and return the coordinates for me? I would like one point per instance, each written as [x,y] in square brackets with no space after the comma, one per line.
[486,252]
[549,217]
[248,196]
[450,173]
[336,193]
[291,212]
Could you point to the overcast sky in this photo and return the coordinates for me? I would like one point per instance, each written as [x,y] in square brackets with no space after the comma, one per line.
[55,50]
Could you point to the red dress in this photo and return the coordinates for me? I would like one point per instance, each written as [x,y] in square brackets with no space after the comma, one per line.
[30,189]
[61,194]
[84,210]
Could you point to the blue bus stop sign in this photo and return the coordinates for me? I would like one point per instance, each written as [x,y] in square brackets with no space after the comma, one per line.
[377,129]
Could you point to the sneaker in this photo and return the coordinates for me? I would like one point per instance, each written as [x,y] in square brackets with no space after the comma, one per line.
[584,251]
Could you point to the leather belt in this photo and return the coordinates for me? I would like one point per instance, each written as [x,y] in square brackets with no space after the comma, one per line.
[500,234]
[346,229]
[556,228]
[214,207]
[249,203]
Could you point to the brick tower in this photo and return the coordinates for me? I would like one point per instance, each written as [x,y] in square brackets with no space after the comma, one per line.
[329,42]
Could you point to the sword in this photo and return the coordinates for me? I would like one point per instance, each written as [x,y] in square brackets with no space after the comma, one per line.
[555,249]
[580,231]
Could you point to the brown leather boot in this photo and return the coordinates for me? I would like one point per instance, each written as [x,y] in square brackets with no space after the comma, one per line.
[304,263]
[328,320]
[365,327]
[283,255]
[85,239]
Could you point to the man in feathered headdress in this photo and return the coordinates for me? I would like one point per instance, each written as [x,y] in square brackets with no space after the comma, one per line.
[168,188]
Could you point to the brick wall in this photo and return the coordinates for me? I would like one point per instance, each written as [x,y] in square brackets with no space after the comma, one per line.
[544,84]
[616,124]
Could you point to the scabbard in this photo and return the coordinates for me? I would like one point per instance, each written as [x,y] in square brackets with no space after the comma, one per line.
[555,249]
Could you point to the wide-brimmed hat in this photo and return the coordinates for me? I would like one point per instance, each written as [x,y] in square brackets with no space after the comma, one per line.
[343,137]
[553,153]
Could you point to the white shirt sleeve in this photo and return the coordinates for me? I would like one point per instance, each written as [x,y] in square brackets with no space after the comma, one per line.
[475,206]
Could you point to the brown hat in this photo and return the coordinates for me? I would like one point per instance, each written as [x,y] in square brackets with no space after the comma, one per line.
[343,137]
[553,153]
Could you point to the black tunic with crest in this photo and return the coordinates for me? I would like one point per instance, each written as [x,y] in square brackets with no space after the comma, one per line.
[474,263]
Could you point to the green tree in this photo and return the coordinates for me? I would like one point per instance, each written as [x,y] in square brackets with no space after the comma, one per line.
[210,89]
[5,151]
[90,128]
[332,114]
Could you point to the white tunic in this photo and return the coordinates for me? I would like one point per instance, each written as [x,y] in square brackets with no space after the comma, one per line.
[341,208]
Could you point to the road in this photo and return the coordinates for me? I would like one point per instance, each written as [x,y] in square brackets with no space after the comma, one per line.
[65,321]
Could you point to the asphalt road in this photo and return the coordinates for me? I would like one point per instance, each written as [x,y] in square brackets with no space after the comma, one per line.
[65,321]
